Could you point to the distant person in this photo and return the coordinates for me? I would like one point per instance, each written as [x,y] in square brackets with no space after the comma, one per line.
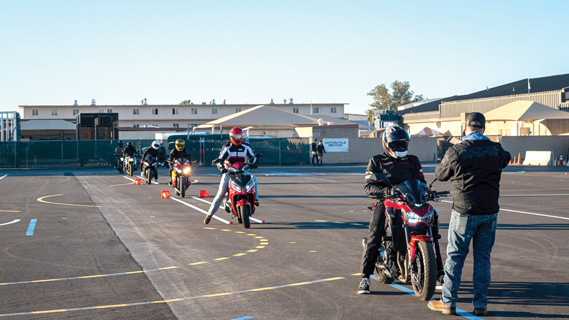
[321,151]
[314,148]
[118,153]
[475,167]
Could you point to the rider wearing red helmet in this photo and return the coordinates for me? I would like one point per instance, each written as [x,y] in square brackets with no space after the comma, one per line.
[231,153]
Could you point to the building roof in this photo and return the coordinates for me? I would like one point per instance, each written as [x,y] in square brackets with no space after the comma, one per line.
[47,125]
[524,110]
[267,116]
[542,84]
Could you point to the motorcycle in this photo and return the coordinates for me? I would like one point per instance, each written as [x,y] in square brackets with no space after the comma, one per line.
[409,250]
[181,173]
[149,169]
[240,201]
[119,162]
[129,165]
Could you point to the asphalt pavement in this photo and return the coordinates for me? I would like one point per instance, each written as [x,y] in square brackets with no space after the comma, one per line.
[90,244]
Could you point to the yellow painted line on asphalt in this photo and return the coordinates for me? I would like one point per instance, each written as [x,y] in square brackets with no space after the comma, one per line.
[218,294]
[314,251]
[252,250]
[251,234]
[357,274]
[196,263]
[293,242]
[133,272]
[10,211]
[172,300]
[94,276]
[239,254]
[46,280]
[166,268]
[240,232]
[41,199]
[225,230]
[259,247]
[259,237]
[224,258]
[112,306]
[122,184]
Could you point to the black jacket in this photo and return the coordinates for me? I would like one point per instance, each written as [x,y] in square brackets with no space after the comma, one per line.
[175,154]
[474,167]
[396,170]
[152,152]
[129,151]
[320,149]
[313,147]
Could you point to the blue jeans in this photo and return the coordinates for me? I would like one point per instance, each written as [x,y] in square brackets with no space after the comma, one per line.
[462,229]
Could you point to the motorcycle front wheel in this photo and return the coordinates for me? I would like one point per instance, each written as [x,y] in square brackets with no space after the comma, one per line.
[147,176]
[183,182]
[424,271]
[130,170]
[245,212]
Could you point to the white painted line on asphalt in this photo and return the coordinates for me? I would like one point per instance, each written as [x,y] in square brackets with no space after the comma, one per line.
[150,181]
[14,221]
[201,210]
[222,207]
[4,176]
[524,212]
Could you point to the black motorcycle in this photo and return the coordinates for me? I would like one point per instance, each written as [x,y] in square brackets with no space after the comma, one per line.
[149,169]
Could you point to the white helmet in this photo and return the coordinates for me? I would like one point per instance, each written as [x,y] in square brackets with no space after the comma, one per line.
[155,145]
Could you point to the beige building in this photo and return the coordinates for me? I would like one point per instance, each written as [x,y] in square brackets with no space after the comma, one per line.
[170,116]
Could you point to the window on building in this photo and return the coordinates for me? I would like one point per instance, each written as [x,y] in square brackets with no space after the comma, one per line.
[194,111]
[109,110]
[315,110]
[237,110]
[154,111]
[295,110]
[53,112]
[75,112]
[176,125]
[174,110]
[213,110]
[136,111]
[35,112]
[333,110]
[135,125]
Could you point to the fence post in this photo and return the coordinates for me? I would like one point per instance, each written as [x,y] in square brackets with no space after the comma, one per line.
[280,160]
[62,153]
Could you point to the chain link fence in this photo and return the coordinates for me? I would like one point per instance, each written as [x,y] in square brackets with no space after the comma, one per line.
[100,153]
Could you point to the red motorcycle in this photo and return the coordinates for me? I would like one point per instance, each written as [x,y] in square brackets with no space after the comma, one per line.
[408,251]
[181,174]
[240,200]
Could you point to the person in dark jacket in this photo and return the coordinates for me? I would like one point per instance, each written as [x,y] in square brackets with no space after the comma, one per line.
[398,166]
[118,153]
[154,151]
[129,150]
[321,151]
[178,152]
[474,167]
[314,151]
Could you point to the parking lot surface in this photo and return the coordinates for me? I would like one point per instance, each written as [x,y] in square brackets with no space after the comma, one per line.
[90,244]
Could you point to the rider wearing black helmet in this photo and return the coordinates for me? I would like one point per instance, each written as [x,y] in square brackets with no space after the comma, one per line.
[398,166]
[118,153]
[129,150]
[178,152]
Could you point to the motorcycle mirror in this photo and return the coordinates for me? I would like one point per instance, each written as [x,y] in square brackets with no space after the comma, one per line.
[432,183]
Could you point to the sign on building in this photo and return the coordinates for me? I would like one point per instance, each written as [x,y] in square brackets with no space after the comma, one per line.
[336,145]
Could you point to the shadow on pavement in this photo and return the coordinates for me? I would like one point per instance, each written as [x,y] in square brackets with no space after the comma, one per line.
[313,225]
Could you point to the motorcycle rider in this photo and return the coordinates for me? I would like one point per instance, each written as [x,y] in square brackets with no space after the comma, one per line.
[152,151]
[398,166]
[129,151]
[162,154]
[178,152]
[232,152]
[118,153]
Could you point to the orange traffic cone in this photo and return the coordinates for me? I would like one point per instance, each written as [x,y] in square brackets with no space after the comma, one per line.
[555,162]
[519,158]
[561,160]
[137,182]
[204,194]
[515,161]
[165,194]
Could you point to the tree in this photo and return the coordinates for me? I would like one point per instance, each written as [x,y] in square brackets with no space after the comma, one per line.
[369,114]
[186,102]
[384,100]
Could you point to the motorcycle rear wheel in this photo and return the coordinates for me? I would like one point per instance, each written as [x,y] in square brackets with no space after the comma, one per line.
[130,170]
[424,271]
[381,276]
[245,212]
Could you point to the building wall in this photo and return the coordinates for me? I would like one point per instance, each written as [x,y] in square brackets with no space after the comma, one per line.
[559,145]
[165,117]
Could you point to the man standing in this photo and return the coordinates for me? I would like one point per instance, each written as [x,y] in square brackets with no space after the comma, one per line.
[475,167]
[321,151]
[314,152]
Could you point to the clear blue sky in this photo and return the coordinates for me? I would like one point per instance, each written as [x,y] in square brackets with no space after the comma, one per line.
[118,52]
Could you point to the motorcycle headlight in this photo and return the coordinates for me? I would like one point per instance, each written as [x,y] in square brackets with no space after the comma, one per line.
[249,185]
[414,218]
[187,170]
[236,187]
